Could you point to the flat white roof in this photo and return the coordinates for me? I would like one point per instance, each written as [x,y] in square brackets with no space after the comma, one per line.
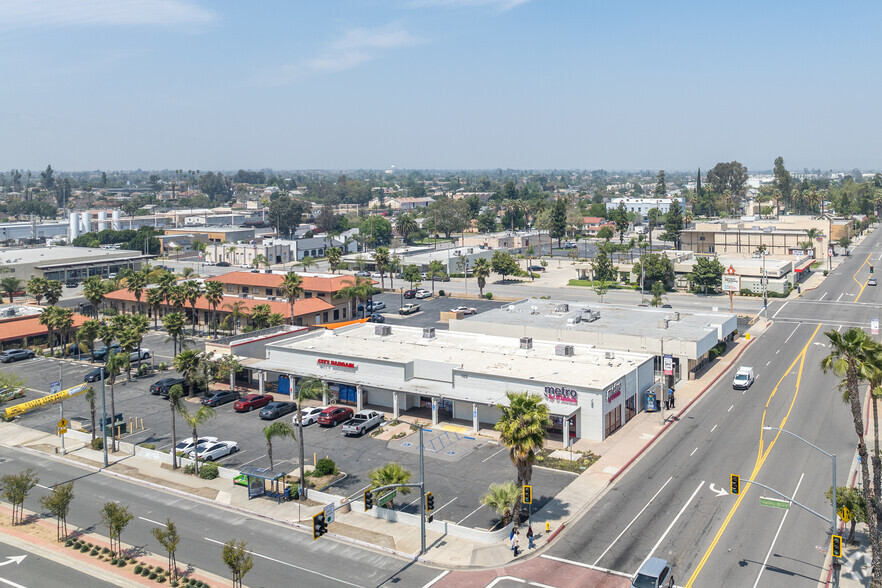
[50,255]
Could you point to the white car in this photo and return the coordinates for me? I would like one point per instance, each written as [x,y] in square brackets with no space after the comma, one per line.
[213,451]
[377,305]
[423,294]
[246,265]
[464,309]
[145,354]
[207,263]
[309,415]
[187,444]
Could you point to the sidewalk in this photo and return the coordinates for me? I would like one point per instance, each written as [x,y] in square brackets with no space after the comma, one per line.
[616,454]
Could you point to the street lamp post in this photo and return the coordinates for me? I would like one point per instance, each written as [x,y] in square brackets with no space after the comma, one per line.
[832,457]
[765,286]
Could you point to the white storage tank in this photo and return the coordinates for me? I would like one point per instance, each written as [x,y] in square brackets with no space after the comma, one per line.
[87,222]
[74,230]
[116,216]
[102,220]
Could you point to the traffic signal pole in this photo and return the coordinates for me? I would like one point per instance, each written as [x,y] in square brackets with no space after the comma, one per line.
[422,498]
[788,498]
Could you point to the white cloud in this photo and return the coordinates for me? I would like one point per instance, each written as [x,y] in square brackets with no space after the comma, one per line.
[354,48]
[16,14]
[502,5]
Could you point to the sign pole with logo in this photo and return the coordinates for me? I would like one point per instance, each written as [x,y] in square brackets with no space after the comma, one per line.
[874,326]
[731,283]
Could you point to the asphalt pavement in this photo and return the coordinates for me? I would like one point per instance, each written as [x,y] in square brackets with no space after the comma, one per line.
[24,568]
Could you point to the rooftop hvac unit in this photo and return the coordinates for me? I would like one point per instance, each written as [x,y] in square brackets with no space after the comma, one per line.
[663,323]
[562,308]
[526,342]
[243,295]
[428,332]
[677,316]
[270,297]
[470,250]
[382,330]
[564,350]
[609,355]
[574,320]
[267,271]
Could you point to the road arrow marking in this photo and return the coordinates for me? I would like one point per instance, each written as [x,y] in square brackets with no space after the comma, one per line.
[13,558]
[719,492]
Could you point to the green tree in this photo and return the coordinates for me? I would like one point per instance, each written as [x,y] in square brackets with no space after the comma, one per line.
[91,398]
[259,260]
[620,218]
[195,420]
[214,295]
[15,488]
[187,363]
[448,216]
[116,518]
[661,188]
[606,233]
[155,298]
[658,290]
[522,428]
[48,177]
[381,261]
[48,319]
[291,289]
[236,313]
[307,262]
[285,213]
[504,264]
[37,288]
[600,287]
[358,289]
[175,393]
[673,223]
[406,225]
[436,270]
[94,290]
[10,287]
[136,283]
[412,274]
[706,273]
[116,364]
[501,498]
[852,499]
[58,505]
[174,326]
[376,230]
[237,557]
[280,430]
[168,537]
[388,474]
[260,315]
[783,181]
[481,271]
[487,221]
[192,292]
[654,267]
[602,267]
[335,256]
[559,220]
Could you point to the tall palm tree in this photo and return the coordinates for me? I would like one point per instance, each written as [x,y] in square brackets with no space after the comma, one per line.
[10,286]
[214,294]
[358,290]
[278,429]
[307,389]
[481,271]
[381,261]
[139,326]
[155,298]
[135,284]
[63,323]
[502,498]
[93,290]
[391,473]
[193,290]
[116,363]
[37,288]
[174,403]
[406,226]
[194,420]
[187,363]
[174,326]
[237,311]
[53,292]
[165,282]
[128,342]
[437,270]
[812,235]
[177,297]
[91,397]
[86,335]
[522,428]
[334,256]
[291,289]
[47,319]
[852,358]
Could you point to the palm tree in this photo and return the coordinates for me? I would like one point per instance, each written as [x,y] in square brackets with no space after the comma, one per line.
[214,294]
[177,297]
[164,284]
[278,429]
[62,323]
[187,363]
[381,261]
[128,342]
[10,287]
[193,420]
[237,311]
[406,226]
[135,284]
[192,291]
[359,289]
[522,428]
[155,298]
[291,289]
[501,498]
[334,256]
[37,288]
[53,292]
[174,403]
[307,389]
[812,235]
[93,290]
[116,363]
[139,326]
[86,335]
[174,326]
[481,271]
[391,473]
[259,260]
[91,397]
[47,319]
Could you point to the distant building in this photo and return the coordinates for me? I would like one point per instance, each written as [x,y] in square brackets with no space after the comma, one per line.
[68,263]
[401,203]
[642,206]
[214,234]
[20,327]
[245,253]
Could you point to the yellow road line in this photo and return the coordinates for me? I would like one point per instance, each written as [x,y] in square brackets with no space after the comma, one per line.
[854,277]
[761,457]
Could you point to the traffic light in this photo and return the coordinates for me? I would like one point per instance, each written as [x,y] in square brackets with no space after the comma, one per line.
[736,484]
[368,500]
[319,526]
[836,545]
[430,502]
[528,495]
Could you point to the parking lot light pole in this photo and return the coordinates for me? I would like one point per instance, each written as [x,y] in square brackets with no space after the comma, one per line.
[832,456]
[104,417]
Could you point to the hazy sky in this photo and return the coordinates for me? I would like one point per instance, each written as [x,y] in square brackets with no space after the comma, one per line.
[336,84]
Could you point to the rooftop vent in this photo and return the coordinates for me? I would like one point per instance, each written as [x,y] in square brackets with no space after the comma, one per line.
[564,350]
[428,332]
[526,342]
[609,355]
[562,308]
[663,323]
[382,330]
[243,295]
[677,316]
[574,320]
[270,297]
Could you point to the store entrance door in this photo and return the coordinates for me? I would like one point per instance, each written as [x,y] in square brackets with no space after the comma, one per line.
[555,430]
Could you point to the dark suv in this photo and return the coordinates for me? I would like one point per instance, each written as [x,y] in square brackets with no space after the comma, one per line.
[220,397]
[161,387]
[410,294]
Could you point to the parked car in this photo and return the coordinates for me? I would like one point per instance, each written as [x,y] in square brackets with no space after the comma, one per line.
[252,401]
[377,305]
[377,275]
[363,274]
[186,445]
[362,422]
[220,397]
[245,266]
[466,310]
[377,318]
[204,263]
[410,293]
[15,355]
[94,375]
[423,293]
[102,352]
[223,264]
[274,410]
[536,268]
[654,573]
[569,246]
[135,355]
[666,306]
[164,385]
[409,309]
[213,451]
[71,283]
[334,415]
[309,415]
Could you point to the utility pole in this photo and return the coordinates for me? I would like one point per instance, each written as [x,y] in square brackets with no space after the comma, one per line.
[61,407]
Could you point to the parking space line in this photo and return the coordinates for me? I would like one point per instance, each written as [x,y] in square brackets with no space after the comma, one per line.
[470,514]
[495,454]
[443,505]
[436,578]
[247,462]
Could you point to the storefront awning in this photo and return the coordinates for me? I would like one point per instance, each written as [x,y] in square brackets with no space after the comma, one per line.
[803,265]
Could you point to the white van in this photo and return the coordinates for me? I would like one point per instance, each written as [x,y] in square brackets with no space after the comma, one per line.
[743,378]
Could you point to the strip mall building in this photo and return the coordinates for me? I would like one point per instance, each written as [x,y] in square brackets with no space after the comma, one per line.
[463,377]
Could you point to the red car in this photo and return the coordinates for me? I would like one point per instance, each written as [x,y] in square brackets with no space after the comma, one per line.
[252,401]
[334,415]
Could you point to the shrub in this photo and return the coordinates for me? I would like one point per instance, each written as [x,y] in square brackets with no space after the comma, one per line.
[97,443]
[85,548]
[174,584]
[489,295]
[105,550]
[158,570]
[325,467]
[147,445]
[208,471]
[121,562]
[95,551]
[190,469]
[114,561]
[440,292]
[153,575]
[162,366]
[69,542]
[138,568]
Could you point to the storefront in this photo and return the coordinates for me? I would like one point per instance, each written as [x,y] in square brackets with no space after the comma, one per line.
[464,378]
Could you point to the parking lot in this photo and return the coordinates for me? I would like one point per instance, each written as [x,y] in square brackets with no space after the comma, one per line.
[430,308]
[458,470]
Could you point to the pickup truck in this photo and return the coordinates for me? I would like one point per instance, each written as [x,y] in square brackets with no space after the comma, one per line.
[409,309]
[362,422]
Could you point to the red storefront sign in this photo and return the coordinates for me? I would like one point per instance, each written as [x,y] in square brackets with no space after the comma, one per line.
[335,363]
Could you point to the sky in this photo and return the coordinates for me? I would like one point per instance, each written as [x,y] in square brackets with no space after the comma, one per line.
[438,84]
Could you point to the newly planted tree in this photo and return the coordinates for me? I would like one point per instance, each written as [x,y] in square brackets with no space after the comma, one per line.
[388,474]
[115,517]
[169,539]
[237,557]
[15,488]
[501,498]
[58,504]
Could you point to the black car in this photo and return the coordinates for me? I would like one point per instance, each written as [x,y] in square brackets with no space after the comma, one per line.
[221,397]
[536,268]
[223,264]
[71,283]
[410,293]
[274,410]
[15,355]
[94,375]
[377,318]
[102,352]
[161,387]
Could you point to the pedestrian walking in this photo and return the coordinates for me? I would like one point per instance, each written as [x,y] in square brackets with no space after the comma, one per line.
[530,536]
[672,398]
[515,543]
